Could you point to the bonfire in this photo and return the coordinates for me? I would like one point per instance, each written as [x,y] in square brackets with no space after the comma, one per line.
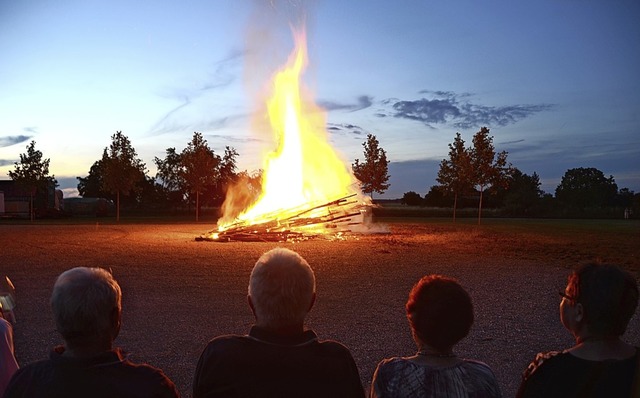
[308,191]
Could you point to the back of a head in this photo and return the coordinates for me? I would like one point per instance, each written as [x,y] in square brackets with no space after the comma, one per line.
[83,302]
[281,287]
[440,311]
[608,294]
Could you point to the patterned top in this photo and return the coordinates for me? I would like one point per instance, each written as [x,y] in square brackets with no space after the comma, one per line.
[401,377]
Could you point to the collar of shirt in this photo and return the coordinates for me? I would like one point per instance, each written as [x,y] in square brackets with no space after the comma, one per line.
[106,358]
[262,335]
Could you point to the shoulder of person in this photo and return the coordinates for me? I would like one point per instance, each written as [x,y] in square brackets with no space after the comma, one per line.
[392,364]
[478,364]
[27,376]
[540,359]
[153,378]
[334,346]
[5,326]
[226,340]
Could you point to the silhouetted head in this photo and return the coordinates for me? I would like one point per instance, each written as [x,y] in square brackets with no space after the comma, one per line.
[440,312]
[86,305]
[607,295]
[282,288]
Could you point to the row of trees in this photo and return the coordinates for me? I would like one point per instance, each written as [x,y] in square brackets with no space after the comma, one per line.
[471,171]
[477,167]
[183,177]
[198,176]
[194,176]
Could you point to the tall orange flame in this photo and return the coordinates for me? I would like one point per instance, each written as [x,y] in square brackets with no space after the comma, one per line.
[304,172]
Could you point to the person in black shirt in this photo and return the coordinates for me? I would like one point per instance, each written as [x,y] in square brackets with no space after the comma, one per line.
[87,308]
[596,307]
[278,358]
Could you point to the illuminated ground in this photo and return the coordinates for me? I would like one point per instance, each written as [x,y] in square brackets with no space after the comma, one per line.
[179,293]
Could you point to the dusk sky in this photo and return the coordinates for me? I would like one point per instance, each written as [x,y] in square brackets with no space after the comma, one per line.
[556,81]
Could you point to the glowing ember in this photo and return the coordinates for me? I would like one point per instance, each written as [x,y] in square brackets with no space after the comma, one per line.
[307,189]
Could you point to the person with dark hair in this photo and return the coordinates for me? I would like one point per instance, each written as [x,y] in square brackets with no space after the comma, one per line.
[596,306]
[87,308]
[440,314]
[278,358]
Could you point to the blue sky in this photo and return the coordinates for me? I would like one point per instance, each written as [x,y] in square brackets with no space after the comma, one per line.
[557,82]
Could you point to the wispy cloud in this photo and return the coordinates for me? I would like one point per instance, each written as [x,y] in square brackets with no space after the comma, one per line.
[5,162]
[222,76]
[447,107]
[232,138]
[345,128]
[362,102]
[479,115]
[13,140]
[511,142]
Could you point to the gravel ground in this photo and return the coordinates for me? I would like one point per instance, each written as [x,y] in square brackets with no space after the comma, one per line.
[179,293]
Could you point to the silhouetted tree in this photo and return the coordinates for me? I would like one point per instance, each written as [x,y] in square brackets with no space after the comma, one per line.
[227,174]
[436,197]
[523,192]
[489,169]
[122,168]
[32,174]
[455,175]
[170,174]
[92,186]
[412,198]
[200,167]
[583,188]
[373,172]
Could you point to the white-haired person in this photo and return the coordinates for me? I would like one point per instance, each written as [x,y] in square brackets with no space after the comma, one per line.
[595,307]
[440,314]
[278,358]
[87,310]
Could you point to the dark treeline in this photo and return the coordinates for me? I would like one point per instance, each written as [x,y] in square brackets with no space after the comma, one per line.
[478,176]
[186,180]
[582,193]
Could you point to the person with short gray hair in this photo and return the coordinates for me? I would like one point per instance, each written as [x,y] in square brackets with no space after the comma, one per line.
[87,309]
[282,288]
[278,358]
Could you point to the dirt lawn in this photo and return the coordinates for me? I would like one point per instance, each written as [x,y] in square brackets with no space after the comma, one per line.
[179,293]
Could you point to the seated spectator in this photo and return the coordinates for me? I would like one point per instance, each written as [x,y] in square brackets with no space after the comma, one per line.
[596,307]
[87,310]
[278,358]
[8,363]
[440,314]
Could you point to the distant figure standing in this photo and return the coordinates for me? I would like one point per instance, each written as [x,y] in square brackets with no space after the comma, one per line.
[278,358]
[596,307]
[87,310]
[440,314]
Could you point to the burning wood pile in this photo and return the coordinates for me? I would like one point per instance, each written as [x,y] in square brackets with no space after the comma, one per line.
[332,220]
[302,178]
